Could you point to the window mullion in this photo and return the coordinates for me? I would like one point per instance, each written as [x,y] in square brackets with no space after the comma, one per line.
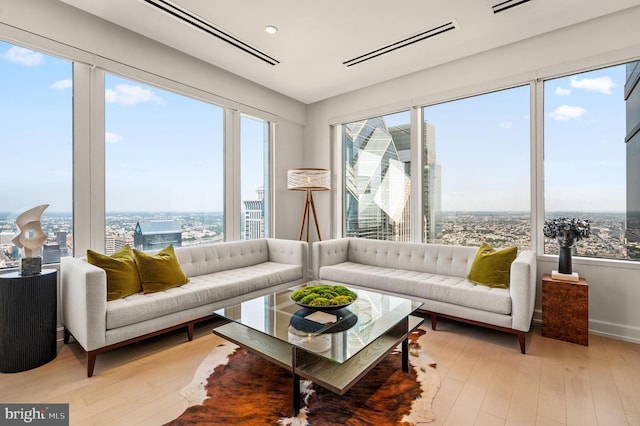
[537,166]
[97,176]
[417,149]
[88,158]
[232,196]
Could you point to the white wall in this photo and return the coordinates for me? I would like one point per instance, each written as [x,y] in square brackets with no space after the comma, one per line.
[614,295]
[288,150]
[61,30]
[614,286]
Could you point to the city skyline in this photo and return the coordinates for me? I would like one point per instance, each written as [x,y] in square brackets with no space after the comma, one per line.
[501,229]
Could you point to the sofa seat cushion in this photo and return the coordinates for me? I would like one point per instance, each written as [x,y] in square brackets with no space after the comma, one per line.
[200,290]
[421,285]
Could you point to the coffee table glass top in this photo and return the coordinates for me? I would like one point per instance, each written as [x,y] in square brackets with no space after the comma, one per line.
[336,335]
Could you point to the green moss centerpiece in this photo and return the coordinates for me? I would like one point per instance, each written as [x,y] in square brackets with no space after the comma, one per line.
[324,296]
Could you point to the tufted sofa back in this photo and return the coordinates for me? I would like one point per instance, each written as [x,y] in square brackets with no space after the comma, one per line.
[206,259]
[429,258]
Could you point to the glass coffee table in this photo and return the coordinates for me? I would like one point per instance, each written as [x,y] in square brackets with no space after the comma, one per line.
[332,348]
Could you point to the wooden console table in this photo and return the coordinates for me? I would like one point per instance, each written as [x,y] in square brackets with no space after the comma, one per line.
[28,311]
[565,310]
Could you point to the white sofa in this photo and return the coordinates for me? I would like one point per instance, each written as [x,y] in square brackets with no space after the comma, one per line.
[219,275]
[435,275]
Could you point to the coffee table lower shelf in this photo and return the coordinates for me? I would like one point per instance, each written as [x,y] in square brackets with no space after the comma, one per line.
[334,376]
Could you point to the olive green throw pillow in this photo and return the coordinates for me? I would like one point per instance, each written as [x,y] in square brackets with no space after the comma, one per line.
[492,267]
[122,273]
[160,271]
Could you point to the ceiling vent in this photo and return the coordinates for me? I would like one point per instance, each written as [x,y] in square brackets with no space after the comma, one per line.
[501,7]
[203,25]
[402,43]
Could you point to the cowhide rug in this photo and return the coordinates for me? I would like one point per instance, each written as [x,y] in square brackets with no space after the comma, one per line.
[234,386]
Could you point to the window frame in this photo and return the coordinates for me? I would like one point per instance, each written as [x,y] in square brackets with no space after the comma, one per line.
[530,85]
[541,206]
[343,192]
[231,150]
[49,55]
[536,156]
[88,204]
[267,175]
[209,114]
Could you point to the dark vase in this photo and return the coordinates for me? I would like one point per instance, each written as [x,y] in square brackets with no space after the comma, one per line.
[564,261]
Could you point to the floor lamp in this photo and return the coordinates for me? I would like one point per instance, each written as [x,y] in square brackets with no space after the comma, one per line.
[309,180]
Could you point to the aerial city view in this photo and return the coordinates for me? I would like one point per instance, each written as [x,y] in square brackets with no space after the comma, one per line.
[194,228]
[498,229]
[476,165]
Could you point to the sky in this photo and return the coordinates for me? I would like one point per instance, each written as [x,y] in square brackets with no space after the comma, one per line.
[35,130]
[585,153]
[164,151]
[482,146]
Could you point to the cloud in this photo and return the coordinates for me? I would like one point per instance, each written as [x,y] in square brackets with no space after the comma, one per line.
[22,56]
[126,94]
[561,91]
[505,124]
[600,84]
[62,84]
[112,137]
[567,112]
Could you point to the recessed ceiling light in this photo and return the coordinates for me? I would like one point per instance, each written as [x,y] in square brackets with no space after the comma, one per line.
[271,29]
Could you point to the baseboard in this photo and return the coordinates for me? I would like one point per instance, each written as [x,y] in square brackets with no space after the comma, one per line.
[622,332]
[59,334]
[537,316]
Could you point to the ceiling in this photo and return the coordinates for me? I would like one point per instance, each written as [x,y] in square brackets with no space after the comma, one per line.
[315,38]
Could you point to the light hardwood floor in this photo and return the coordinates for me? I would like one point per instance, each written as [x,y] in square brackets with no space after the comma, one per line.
[485,380]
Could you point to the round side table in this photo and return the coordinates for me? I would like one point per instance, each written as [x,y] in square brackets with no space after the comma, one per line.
[28,311]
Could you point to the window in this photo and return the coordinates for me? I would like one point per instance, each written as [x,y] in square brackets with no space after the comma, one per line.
[164,167]
[36,128]
[476,170]
[591,158]
[254,157]
[377,178]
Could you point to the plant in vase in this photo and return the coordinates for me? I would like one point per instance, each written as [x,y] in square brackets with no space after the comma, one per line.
[567,231]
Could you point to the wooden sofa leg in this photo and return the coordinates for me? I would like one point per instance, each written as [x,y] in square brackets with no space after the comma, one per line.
[190,328]
[434,320]
[521,339]
[91,362]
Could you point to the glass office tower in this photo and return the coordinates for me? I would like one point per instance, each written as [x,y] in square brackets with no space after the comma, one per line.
[632,139]
[377,180]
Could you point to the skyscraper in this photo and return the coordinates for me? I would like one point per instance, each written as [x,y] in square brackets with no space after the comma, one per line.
[254,216]
[431,186]
[156,234]
[377,180]
[50,252]
[61,239]
[632,139]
